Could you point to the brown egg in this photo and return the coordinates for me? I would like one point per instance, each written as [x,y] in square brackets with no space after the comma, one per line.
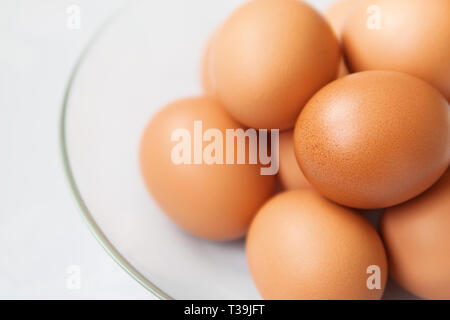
[213,201]
[338,12]
[207,83]
[343,70]
[269,58]
[302,246]
[290,175]
[417,237]
[374,139]
[336,15]
[412,36]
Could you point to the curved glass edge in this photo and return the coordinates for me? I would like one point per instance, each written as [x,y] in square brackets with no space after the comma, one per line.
[83,209]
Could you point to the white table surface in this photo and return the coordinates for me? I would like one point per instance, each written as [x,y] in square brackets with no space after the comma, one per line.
[41,232]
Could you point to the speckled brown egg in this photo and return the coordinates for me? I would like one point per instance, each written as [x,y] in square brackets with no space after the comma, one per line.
[374,139]
[302,246]
[411,36]
[289,174]
[209,199]
[417,237]
[269,58]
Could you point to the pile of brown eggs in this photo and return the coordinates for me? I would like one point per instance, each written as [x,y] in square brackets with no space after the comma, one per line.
[377,137]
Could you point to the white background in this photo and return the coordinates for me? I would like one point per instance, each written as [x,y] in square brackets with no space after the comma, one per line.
[41,232]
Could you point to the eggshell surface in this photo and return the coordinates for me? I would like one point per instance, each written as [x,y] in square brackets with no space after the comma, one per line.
[302,246]
[411,36]
[337,14]
[269,58]
[207,82]
[212,201]
[417,238]
[374,139]
[290,174]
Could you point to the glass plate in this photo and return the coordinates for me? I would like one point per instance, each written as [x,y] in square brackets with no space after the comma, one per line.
[143,58]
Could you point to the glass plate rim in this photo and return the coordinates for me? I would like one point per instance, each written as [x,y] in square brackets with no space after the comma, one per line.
[70,179]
